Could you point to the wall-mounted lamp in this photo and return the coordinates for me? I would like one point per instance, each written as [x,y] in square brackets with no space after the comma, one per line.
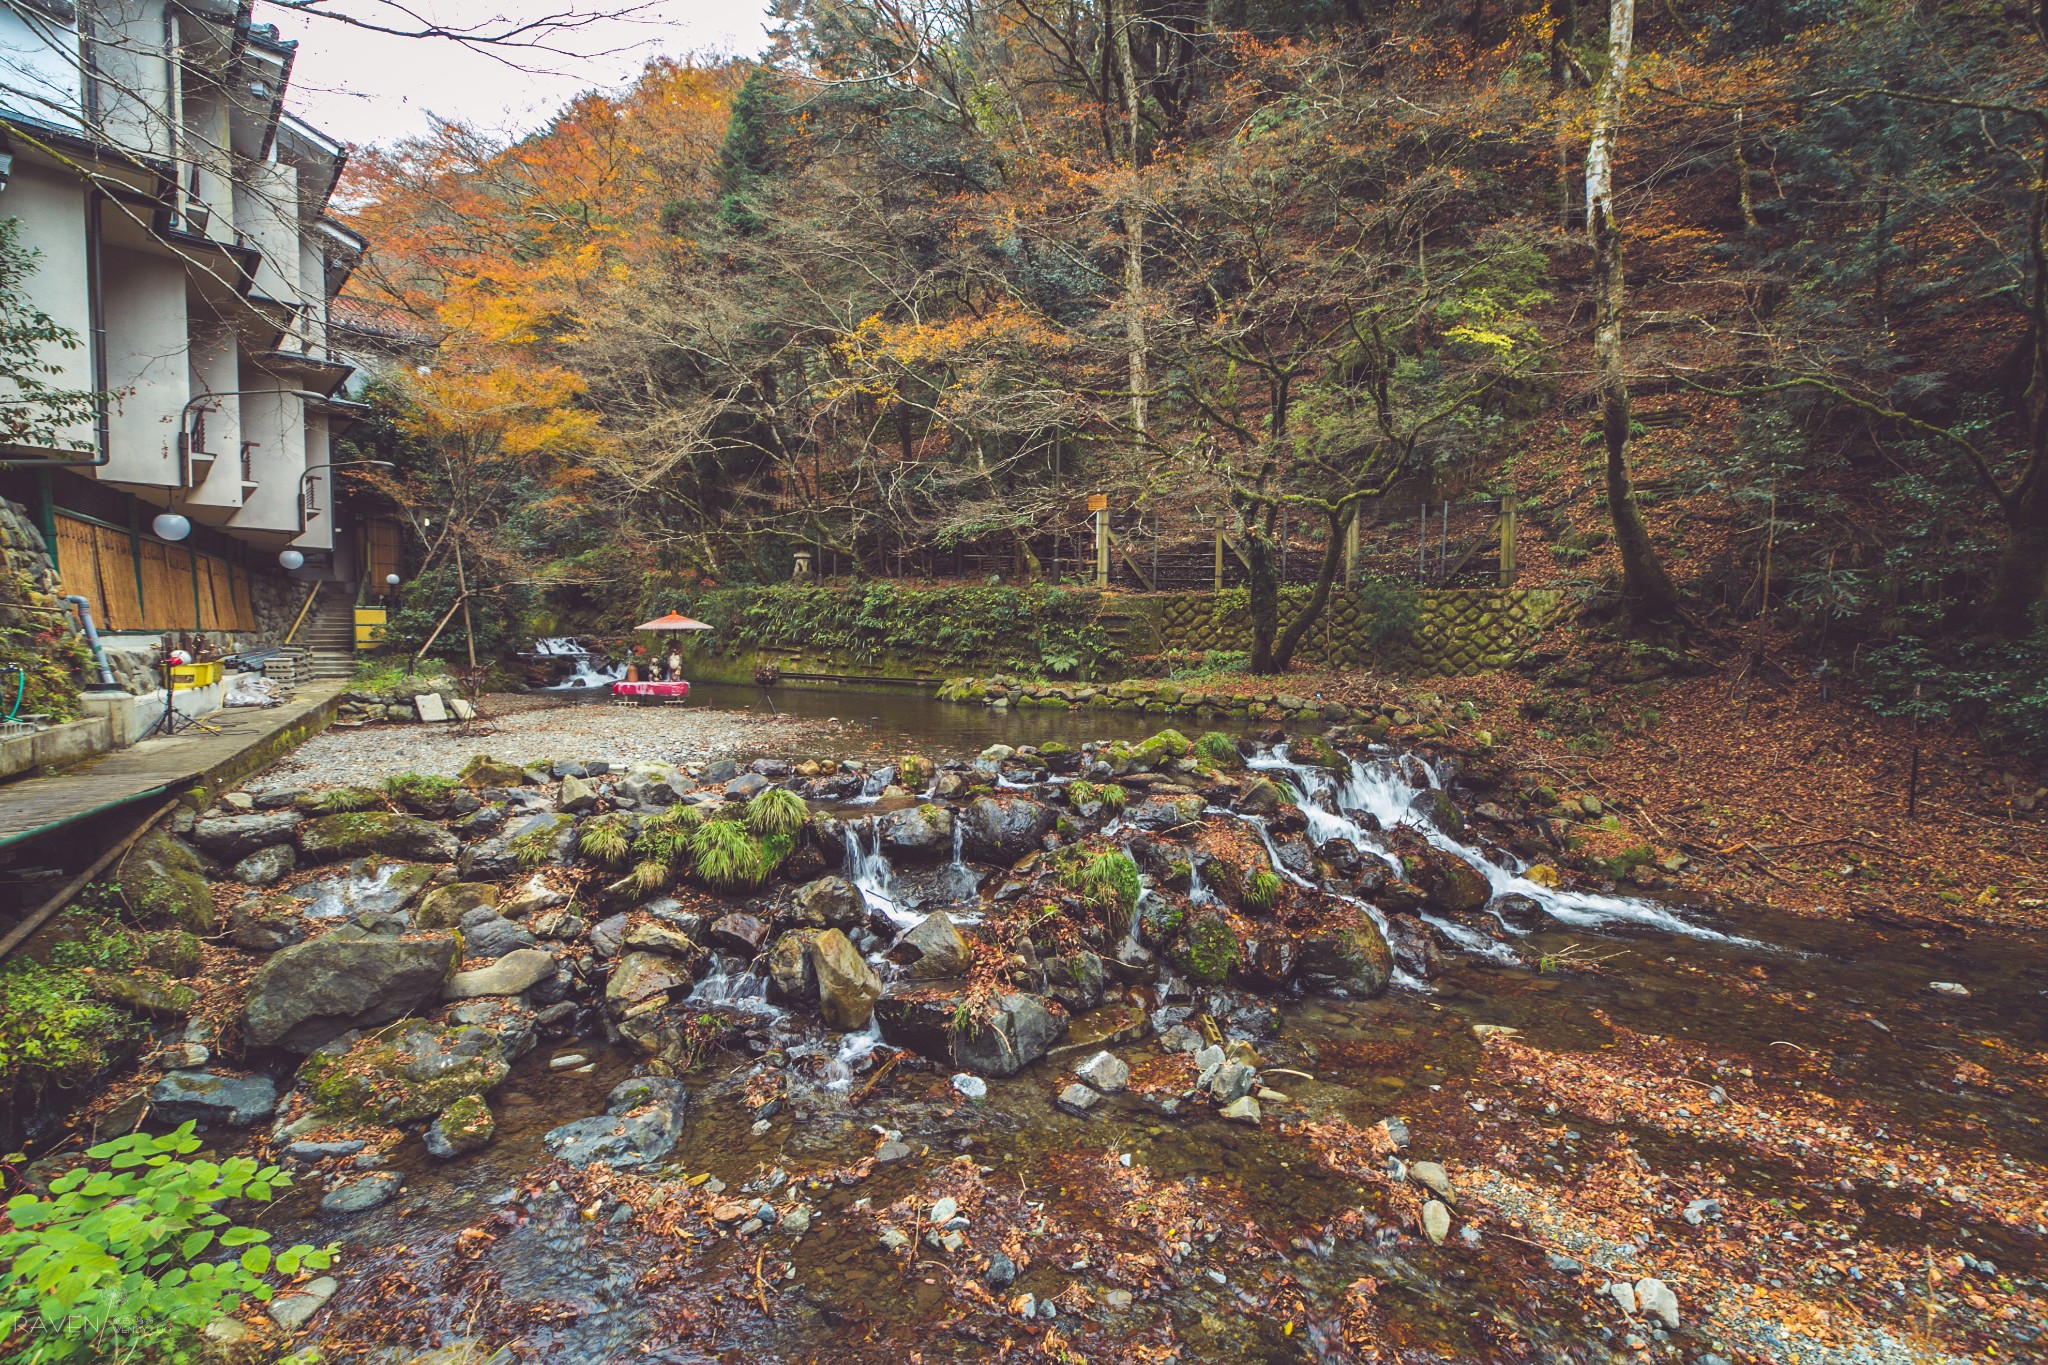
[171,526]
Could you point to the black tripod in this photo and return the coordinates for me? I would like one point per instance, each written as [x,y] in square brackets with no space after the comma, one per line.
[172,721]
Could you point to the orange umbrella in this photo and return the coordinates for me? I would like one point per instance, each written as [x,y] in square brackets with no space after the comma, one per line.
[673,621]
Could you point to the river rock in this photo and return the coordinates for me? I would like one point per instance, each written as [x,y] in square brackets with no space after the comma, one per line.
[531,898]
[739,933]
[403,1075]
[641,1124]
[487,859]
[509,975]
[463,1126]
[489,935]
[1436,1221]
[920,834]
[1654,1297]
[1431,1177]
[266,865]
[1075,980]
[1449,884]
[924,1018]
[1078,1099]
[576,795]
[608,935]
[638,977]
[1349,961]
[485,771]
[358,834]
[791,977]
[444,906]
[847,986]
[211,1097]
[934,947]
[259,928]
[1521,913]
[1001,832]
[828,903]
[359,1196]
[1105,1071]
[295,1310]
[1167,814]
[660,929]
[230,838]
[160,878]
[311,992]
[1243,1109]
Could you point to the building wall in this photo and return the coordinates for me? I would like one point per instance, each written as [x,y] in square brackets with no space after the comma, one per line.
[51,211]
[273,419]
[147,368]
[41,59]
[216,368]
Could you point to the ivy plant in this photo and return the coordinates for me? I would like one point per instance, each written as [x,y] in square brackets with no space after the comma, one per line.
[130,1255]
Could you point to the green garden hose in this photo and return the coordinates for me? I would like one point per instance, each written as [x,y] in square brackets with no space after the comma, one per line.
[20,690]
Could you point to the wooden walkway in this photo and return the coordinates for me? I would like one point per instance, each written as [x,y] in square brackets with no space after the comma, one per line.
[165,765]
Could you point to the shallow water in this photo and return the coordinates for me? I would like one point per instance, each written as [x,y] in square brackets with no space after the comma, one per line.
[1839,1012]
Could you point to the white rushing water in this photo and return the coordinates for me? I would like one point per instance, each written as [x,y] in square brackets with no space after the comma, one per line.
[1390,790]
[737,984]
[868,869]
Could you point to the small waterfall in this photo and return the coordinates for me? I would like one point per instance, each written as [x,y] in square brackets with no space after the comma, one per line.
[1389,789]
[869,870]
[1198,890]
[737,985]
[837,1071]
[584,676]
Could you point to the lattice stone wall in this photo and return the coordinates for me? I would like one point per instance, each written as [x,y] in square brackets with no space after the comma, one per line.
[1461,630]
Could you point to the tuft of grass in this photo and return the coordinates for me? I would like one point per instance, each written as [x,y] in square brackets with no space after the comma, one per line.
[1262,890]
[666,838]
[605,841]
[1103,881]
[419,789]
[730,858]
[776,811]
[347,800]
[650,875]
[1112,796]
[535,847]
[1218,750]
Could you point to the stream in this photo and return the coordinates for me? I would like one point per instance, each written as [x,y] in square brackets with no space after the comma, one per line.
[1647,1059]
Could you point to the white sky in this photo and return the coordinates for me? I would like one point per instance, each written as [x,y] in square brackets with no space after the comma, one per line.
[367,87]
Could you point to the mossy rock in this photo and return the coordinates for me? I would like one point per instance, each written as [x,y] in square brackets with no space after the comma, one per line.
[444,906]
[1352,961]
[174,952]
[162,881]
[1159,922]
[463,1126]
[914,771]
[1208,948]
[146,992]
[403,1074]
[1317,752]
[362,834]
[485,771]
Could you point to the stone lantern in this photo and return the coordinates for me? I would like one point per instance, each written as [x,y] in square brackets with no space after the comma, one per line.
[804,572]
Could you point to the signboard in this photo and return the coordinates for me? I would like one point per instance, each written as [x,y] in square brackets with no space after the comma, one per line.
[1098,502]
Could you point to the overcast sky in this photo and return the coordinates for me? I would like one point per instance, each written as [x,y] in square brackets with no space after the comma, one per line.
[368,87]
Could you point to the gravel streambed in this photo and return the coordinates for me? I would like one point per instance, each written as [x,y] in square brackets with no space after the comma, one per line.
[518,730]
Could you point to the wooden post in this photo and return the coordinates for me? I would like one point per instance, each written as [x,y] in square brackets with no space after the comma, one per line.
[1098,503]
[1351,552]
[1507,542]
[462,588]
[1219,557]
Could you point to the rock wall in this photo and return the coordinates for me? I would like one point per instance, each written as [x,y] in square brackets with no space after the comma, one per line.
[26,578]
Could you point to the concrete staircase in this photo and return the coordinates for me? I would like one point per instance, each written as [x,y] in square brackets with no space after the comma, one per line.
[325,645]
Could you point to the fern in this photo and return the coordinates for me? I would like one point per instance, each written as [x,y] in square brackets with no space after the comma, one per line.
[604,841]
[776,811]
[346,800]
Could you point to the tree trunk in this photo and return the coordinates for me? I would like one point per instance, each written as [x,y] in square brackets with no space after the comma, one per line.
[1312,610]
[2020,579]
[1134,234]
[1264,592]
[1646,588]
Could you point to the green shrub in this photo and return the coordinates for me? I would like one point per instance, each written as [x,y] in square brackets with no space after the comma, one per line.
[109,1266]
[52,1031]
[1218,750]
[776,811]
[419,789]
[1391,610]
[1190,666]
[1112,796]
[666,838]
[605,841]
[1103,881]
[110,950]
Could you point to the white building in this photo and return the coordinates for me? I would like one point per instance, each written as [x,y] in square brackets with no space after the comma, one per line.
[181,217]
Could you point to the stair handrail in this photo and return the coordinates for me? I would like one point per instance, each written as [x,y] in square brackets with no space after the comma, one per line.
[300,619]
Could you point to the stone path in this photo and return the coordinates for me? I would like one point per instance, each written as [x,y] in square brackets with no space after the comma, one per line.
[152,768]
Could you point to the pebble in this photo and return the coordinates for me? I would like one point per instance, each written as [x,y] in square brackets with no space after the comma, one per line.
[1623,1294]
[567,1060]
[1654,1296]
[970,1085]
[891,1151]
[1078,1099]
[1436,1221]
[1430,1176]
[943,1211]
[1955,988]
[1243,1109]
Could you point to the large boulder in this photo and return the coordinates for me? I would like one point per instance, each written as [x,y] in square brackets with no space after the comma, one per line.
[1014,1031]
[311,992]
[444,906]
[266,865]
[640,1126]
[1165,814]
[210,1097]
[847,985]
[641,977]
[919,834]
[1449,884]
[1351,960]
[363,833]
[231,838]
[828,903]
[1075,980]
[791,977]
[511,974]
[934,947]
[404,1074]
[485,771]
[1001,832]
[161,879]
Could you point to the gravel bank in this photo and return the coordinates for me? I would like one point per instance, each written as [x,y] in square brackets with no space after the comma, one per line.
[517,729]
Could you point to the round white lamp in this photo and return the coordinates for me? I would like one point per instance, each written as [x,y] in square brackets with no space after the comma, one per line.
[291,559]
[391,580]
[171,526]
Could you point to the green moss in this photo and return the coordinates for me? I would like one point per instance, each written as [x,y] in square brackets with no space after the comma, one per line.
[161,881]
[370,1083]
[537,845]
[53,1032]
[1159,923]
[146,993]
[1261,890]
[1218,750]
[342,800]
[1318,752]
[914,772]
[420,789]
[1103,881]
[1208,949]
